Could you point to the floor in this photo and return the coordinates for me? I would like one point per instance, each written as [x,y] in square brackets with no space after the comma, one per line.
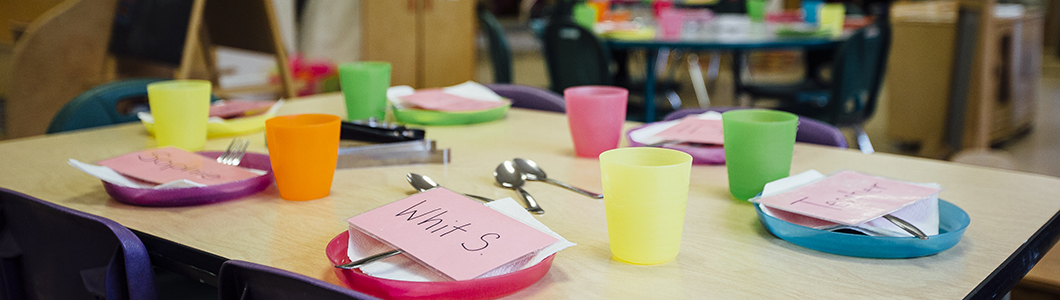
[1037,151]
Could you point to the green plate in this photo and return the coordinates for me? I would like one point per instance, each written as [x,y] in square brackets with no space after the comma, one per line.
[434,117]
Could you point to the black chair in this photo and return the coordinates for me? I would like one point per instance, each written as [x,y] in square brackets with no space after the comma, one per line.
[851,96]
[241,280]
[51,252]
[499,50]
[574,56]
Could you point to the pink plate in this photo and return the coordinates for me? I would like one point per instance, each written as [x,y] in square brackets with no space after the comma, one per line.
[198,195]
[714,155]
[482,288]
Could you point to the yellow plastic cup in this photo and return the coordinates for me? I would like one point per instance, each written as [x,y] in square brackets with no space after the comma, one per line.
[645,192]
[180,109]
[832,17]
[303,150]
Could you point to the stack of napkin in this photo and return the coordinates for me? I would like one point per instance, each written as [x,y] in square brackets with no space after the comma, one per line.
[468,96]
[924,214]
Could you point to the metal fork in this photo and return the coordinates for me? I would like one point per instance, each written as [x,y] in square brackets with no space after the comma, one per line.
[236,149]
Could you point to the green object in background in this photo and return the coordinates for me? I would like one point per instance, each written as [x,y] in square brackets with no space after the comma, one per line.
[832,17]
[364,86]
[758,148]
[756,9]
[584,15]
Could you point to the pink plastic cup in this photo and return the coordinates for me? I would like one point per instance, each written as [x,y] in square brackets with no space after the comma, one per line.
[670,22]
[595,115]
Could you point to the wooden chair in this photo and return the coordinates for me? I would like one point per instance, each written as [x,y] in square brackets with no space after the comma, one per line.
[61,54]
[64,53]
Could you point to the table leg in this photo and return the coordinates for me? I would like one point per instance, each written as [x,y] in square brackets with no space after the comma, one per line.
[737,83]
[649,85]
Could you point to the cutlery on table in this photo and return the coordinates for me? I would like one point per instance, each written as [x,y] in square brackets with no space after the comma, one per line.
[423,183]
[367,260]
[234,154]
[508,176]
[534,172]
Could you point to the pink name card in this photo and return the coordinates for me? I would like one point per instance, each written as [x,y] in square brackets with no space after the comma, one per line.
[694,130]
[450,233]
[848,198]
[436,99]
[168,164]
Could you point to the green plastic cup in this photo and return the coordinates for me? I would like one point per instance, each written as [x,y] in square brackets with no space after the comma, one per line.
[758,148]
[645,192]
[364,85]
[180,109]
[584,15]
[756,10]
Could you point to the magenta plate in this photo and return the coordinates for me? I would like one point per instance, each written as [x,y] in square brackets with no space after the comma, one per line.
[198,195]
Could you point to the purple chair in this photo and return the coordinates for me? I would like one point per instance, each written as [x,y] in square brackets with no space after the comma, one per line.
[241,280]
[524,96]
[810,130]
[52,252]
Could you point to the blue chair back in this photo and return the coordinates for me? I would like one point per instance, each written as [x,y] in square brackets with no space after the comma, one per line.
[51,252]
[529,97]
[241,280]
[98,106]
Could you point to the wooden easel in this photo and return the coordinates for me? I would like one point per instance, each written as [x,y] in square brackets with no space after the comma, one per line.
[243,24]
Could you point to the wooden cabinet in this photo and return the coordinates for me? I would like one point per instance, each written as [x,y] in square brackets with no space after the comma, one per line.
[919,74]
[429,43]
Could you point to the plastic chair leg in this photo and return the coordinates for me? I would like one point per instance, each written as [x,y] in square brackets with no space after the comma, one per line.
[698,83]
[863,140]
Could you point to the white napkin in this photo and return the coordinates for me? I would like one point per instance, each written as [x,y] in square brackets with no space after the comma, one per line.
[647,134]
[402,267]
[923,214]
[469,89]
[115,178]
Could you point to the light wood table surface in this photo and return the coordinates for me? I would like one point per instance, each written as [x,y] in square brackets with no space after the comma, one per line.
[725,252]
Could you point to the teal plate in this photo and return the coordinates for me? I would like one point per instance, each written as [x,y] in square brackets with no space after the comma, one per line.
[952,223]
[434,117]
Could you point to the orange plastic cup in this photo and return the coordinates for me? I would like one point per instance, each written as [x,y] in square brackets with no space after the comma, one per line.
[303,150]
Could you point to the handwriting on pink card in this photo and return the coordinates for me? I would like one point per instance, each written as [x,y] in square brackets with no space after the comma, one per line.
[450,233]
[168,164]
[436,99]
[694,130]
[849,198]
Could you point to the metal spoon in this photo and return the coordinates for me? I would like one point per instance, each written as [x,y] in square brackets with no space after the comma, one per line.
[534,173]
[423,183]
[507,176]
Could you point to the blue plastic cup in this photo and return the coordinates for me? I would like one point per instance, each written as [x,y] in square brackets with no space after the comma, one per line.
[811,10]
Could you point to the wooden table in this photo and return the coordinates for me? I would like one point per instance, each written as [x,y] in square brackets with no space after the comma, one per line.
[726,253]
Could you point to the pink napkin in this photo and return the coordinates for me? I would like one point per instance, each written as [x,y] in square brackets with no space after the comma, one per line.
[437,99]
